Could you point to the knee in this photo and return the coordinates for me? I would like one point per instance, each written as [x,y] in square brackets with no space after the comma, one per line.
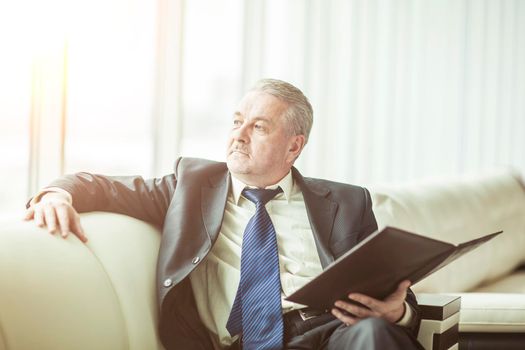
[372,325]
[370,333]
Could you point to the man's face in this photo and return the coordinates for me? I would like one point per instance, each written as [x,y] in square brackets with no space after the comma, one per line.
[260,149]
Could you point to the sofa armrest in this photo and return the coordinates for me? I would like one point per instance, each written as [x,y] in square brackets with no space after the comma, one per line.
[59,293]
[439,328]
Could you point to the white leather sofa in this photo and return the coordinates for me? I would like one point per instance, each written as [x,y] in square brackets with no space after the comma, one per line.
[490,279]
[61,294]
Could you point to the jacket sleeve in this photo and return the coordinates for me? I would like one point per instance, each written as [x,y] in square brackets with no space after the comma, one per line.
[134,196]
[415,322]
[368,219]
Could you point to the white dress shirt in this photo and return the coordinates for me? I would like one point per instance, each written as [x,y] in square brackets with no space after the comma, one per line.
[216,279]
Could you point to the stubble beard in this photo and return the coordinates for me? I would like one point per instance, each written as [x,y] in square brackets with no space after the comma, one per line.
[236,165]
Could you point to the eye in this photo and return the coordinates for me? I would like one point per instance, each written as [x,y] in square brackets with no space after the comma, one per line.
[259,127]
[237,122]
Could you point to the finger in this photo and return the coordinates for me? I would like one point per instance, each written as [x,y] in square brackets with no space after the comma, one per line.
[78,230]
[63,219]
[39,217]
[29,214]
[358,311]
[401,291]
[50,217]
[348,320]
[371,303]
[405,284]
[402,287]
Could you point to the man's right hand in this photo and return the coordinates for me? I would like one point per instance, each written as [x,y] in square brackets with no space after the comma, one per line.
[55,211]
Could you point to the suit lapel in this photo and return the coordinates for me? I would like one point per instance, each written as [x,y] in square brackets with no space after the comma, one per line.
[321,213]
[214,195]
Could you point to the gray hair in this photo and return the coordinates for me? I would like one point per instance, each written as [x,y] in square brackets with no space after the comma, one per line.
[299,115]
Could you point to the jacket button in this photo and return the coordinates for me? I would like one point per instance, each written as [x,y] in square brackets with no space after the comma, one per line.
[168,282]
[195,260]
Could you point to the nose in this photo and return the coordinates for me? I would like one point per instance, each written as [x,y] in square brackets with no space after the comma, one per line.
[241,134]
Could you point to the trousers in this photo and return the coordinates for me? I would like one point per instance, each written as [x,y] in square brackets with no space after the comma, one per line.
[370,334]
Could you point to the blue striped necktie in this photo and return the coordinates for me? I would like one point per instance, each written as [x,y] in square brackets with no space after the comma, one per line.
[256,312]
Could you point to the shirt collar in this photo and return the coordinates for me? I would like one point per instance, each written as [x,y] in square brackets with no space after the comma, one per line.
[286,185]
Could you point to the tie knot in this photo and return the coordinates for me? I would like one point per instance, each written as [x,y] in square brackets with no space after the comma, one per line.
[259,195]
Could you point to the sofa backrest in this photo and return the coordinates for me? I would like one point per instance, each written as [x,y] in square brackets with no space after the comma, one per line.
[456,211]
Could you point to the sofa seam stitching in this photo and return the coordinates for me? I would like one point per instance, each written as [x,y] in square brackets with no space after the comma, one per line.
[115,293]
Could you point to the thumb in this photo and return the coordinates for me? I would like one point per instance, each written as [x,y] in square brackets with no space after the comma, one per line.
[404,285]
[401,290]
[29,214]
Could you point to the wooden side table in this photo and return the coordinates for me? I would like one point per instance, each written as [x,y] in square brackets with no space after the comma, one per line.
[440,321]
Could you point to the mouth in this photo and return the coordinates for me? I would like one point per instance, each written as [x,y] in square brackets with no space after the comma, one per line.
[239,151]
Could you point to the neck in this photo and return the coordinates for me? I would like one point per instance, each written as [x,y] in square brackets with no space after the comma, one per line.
[259,182]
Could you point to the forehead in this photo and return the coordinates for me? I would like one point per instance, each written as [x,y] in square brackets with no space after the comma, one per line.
[260,104]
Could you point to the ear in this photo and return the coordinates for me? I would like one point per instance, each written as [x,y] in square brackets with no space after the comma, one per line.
[295,146]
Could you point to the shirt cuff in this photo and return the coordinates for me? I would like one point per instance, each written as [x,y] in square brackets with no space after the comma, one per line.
[407,317]
[44,191]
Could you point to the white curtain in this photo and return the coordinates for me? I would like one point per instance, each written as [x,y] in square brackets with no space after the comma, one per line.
[401,90]
[404,89]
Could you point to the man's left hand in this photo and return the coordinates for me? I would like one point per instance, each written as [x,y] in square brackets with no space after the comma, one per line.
[392,308]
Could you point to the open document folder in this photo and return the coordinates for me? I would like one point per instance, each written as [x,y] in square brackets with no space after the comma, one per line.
[379,263]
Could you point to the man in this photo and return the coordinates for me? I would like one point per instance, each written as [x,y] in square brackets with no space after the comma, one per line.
[238,237]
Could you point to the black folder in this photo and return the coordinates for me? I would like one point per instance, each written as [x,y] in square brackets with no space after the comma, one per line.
[379,263]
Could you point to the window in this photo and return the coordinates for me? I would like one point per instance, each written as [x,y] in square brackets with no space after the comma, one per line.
[212,69]
[111,72]
[15,98]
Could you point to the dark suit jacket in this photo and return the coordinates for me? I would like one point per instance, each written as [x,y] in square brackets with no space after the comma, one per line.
[189,206]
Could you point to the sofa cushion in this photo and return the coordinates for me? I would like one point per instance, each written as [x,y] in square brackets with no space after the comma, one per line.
[513,283]
[457,211]
[492,312]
